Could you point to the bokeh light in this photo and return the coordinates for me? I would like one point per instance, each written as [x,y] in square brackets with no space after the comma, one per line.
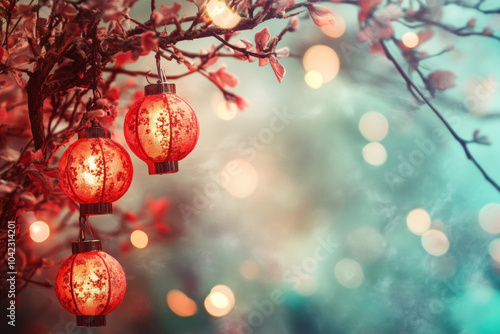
[249,270]
[180,304]
[374,154]
[494,250]
[373,126]
[435,242]
[418,221]
[221,14]
[410,39]
[349,273]
[314,79]
[39,231]
[335,30]
[489,218]
[220,301]
[139,239]
[366,244]
[322,59]
[240,177]
[226,110]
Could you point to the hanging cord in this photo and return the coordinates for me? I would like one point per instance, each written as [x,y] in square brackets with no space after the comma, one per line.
[95,44]
[85,225]
[162,76]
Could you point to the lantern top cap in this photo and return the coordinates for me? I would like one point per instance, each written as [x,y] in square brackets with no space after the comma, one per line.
[86,246]
[94,131]
[160,88]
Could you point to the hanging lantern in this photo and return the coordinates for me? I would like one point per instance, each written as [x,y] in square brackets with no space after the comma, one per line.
[90,283]
[161,128]
[95,171]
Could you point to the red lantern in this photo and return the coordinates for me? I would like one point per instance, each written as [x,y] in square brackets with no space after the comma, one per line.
[95,171]
[161,128]
[90,283]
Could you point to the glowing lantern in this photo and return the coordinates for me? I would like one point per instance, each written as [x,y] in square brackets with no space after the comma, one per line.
[90,283]
[95,171]
[161,128]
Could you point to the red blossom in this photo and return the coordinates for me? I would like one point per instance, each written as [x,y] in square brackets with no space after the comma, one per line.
[262,38]
[471,23]
[222,79]
[321,15]
[442,80]
[166,14]
[241,103]
[149,42]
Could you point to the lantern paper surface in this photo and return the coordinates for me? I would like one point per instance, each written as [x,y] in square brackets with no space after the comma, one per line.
[90,284]
[160,128]
[95,170]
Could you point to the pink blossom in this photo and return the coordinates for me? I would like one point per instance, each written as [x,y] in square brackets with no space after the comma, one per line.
[442,80]
[321,15]
[222,79]
[278,69]
[149,42]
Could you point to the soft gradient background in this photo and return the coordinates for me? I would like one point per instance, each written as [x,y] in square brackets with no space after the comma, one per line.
[313,225]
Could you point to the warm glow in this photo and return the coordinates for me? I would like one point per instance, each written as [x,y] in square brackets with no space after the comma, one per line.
[489,218]
[374,154]
[221,15]
[314,79]
[226,110]
[435,242]
[92,169]
[39,231]
[220,301]
[90,283]
[139,239]
[335,30]
[249,270]
[349,273]
[180,304]
[322,59]
[240,177]
[410,39]
[418,221]
[373,126]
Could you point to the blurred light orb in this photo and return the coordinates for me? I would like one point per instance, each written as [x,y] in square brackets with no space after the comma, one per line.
[410,39]
[489,218]
[314,79]
[375,154]
[349,273]
[139,239]
[366,244]
[322,59]
[373,126]
[220,301]
[435,242]
[39,231]
[226,110]
[240,177]
[221,14]
[335,30]
[180,304]
[418,221]
[249,270]
[494,250]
